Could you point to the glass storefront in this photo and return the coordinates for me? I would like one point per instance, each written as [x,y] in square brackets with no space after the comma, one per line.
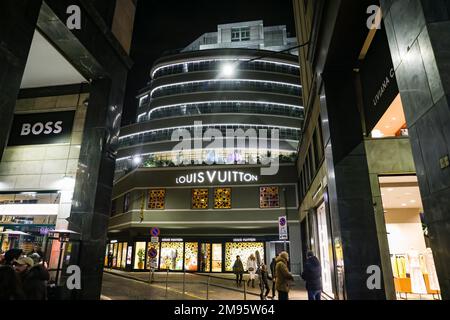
[172,256]
[139,256]
[216,263]
[180,255]
[411,256]
[242,249]
[324,250]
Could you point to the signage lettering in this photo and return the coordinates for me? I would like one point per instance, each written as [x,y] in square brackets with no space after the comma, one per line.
[216,176]
[41,128]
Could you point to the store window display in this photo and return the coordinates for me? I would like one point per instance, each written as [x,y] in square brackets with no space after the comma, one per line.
[191,256]
[411,258]
[172,256]
[242,249]
[139,256]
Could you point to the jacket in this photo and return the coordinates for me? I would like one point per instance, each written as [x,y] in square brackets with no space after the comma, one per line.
[282,275]
[312,274]
[35,283]
[251,264]
[238,267]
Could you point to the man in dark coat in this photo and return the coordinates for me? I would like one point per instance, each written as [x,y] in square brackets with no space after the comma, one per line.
[312,274]
[272,271]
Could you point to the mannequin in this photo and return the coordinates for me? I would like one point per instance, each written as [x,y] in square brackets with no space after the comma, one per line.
[417,282]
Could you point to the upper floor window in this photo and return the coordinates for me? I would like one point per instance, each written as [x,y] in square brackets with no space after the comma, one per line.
[200,199]
[269,197]
[156,199]
[240,34]
[222,198]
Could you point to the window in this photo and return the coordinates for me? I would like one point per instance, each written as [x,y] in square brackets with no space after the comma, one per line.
[200,199]
[222,198]
[156,199]
[126,203]
[269,197]
[240,34]
[114,207]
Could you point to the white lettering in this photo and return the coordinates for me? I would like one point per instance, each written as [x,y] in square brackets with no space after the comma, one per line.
[74,21]
[58,127]
[26,129]
[37,128]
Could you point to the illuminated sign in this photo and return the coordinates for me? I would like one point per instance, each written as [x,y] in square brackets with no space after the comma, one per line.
[214,176]
[172,240]
[41,128]
[244,240]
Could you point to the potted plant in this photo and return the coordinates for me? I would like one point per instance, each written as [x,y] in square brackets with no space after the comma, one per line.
[141,256]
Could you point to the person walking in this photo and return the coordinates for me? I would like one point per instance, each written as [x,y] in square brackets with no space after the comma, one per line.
[263,281]
[312,274]
[282,276]
[10,286]
[238,269]
[35,283]
[272,271]
[251,268]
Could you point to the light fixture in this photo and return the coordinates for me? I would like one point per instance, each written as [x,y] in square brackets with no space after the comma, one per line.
[403,204]
[137,160]
[228,70]
[390,189]
[412,201]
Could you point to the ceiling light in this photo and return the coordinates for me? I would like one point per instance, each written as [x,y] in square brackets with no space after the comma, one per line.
[390,189]
[137,160]
[412,201]
[403,204]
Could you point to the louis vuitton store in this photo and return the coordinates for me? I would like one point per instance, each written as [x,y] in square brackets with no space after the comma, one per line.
[206,217]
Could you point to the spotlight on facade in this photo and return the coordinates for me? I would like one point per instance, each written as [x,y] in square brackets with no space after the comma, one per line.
[137,160]
[228,70]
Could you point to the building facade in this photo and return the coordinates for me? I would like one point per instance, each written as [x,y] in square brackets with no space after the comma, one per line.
[223,96]
[372,165]
[62,96]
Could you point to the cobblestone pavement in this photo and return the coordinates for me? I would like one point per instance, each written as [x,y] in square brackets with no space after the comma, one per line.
[120,285]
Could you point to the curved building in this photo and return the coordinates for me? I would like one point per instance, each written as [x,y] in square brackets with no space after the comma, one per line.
[225,88]
[234,103]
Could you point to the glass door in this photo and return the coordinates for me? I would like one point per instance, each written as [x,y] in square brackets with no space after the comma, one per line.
[216,265]
[204,257]
[324,250]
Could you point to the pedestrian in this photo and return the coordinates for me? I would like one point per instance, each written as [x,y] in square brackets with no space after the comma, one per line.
[35,282]
[272,271]
[110,259]
[251,268]
[238,269]
[282,276]
[10,286]
[263,281]
[312,274]
[12,255]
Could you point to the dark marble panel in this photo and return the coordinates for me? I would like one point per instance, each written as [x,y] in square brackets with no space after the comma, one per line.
[430,65]
[434,146]
[386,5]
[436,10]
[17,26]
[443,109]
[408,22]
[440,240]
[418,161]
[440,38]
[436,205]
[413,85]
[395,54]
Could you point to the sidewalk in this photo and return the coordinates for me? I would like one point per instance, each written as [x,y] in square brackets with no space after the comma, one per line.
[222,286]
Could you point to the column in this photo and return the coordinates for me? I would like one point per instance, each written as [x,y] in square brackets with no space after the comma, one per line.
[17,24]
[419,33]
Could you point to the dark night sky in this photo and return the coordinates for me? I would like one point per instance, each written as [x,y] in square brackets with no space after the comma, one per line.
[162,25]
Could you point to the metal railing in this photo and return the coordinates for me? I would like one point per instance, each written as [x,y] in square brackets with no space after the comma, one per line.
[207,283]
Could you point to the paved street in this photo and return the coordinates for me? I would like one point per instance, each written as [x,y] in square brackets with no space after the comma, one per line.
[119,285]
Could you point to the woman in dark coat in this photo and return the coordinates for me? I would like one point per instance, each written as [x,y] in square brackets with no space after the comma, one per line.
[312,274]
[238,269]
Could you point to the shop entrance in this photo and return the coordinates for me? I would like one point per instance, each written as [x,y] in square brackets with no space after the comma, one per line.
[411,256]
[324,249]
